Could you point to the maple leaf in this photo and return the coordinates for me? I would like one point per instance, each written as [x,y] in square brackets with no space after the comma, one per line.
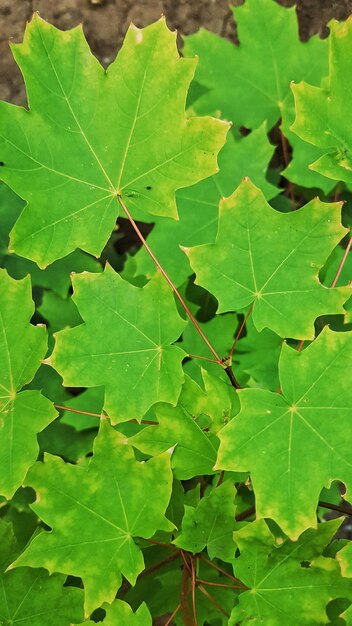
[323,114]
[195,451]
[129,136]
[120,612]
[30,596]
[198,206]
[24,414]
[241,268]
[282,577]
[95,512]
[124,344]
[210,524]
[250,83]
[301,434]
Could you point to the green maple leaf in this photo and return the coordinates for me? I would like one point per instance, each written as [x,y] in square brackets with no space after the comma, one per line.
[257,355]
[301,434]
[241,268]
[30,596]
[198,206]
[323,114]
[22,415]
[95,512]
[120,613]
[282,577]
[124,343]
[210,524]
[250,83]
[196,449]
[128,136]
[10,209]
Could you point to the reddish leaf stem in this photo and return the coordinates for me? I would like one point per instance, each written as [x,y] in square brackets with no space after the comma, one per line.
[203,358]
[343,261]
[284,146]
[221,478]
[247,513]
[335,507]
[186,614]
[195,620]
[222,571]
[211,584]
[159,543]
[66,408]
[336,277]
[239,332]
[173,615]
[168,279]
[214,602]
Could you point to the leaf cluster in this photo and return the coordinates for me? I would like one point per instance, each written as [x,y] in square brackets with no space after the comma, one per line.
[175,328]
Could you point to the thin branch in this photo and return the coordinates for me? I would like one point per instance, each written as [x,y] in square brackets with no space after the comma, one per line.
[343,261]
[149,570]
[100,415]
[240,517]
[168,279]
[335,507]
[239,332]
[194,593]
[159,543]
[214,602]
[284,146]
[66,408]
[336,277]
[221,478]
[186,615]
[203,358]
[173,615]
[210,584]
[219,569]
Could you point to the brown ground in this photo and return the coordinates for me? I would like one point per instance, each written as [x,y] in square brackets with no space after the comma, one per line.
[106,21]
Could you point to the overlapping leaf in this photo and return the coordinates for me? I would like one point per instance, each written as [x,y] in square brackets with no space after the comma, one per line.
[120,612]
[124,344]
[30,596]
[196,449]
[198,206]
[210,524]
[96,512]
[288,580]
[250,83]
[128,136]
[22,415]
[323,115]
[301,436]
[241,270]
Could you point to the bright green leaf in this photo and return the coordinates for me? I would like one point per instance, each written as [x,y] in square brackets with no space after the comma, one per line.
[96,512]
[240,269]
[30,597]
[324,114]
[300,435]
[119,613]
[124,344]
[198,206]
[128,136]
[210,524]
[286,581]
[250,83]
[196,449]
[22,415]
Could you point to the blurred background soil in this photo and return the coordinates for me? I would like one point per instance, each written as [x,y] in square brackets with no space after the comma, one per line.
[106,21]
